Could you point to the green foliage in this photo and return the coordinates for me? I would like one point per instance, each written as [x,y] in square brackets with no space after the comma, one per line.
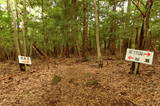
[6,43]
[87,75]
[92,82]
[56,79]
[61,26]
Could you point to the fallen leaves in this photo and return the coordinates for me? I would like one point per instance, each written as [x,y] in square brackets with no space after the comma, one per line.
[108,85]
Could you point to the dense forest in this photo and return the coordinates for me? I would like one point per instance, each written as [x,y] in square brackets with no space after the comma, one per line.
[98,31]
[77,27]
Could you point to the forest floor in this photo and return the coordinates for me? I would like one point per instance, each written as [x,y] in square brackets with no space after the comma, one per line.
[70,82]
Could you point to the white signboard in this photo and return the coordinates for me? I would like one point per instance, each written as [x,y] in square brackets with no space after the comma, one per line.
[24,60]
[139,56]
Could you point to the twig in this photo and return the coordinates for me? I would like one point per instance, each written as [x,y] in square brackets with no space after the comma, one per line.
[138,8]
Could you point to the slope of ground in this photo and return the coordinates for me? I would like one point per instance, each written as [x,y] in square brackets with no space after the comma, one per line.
[81,84]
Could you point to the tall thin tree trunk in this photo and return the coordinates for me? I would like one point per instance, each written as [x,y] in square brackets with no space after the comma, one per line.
[14,24]
[85,28]
[14,19]
[112,37]
[24,30]
[144,34]
[44,33]
[74,24]
[99,57]
[8,8]
[126,43]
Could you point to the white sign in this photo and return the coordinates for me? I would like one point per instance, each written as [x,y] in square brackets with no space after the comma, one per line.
[24,60]
[139,56]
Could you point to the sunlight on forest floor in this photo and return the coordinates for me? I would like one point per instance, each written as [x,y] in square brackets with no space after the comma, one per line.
[79,84]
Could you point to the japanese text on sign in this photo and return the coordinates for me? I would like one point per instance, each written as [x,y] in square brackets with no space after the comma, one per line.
[139,56]
[24,60]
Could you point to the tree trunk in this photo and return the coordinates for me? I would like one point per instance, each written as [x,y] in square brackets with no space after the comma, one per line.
[74,24]
[24,30]
[99,57]
[45,37]
[127,41]
[85,28]
[144,34]
[112,37]
[14,19]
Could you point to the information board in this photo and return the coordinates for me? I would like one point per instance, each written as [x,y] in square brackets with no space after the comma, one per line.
[24,60]
[145,57]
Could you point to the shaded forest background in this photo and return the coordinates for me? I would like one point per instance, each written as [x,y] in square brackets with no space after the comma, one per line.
[66,39]
[66,28]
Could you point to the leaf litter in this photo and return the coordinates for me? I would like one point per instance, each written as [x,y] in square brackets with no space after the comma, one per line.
[79,84]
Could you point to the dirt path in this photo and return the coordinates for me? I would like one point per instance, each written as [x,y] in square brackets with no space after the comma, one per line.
[82,84]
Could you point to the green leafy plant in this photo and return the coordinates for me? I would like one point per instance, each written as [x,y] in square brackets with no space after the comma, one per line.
[92,82]
[56,79]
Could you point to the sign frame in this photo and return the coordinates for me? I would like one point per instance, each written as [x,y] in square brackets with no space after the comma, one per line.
[24,60]
[139,56]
